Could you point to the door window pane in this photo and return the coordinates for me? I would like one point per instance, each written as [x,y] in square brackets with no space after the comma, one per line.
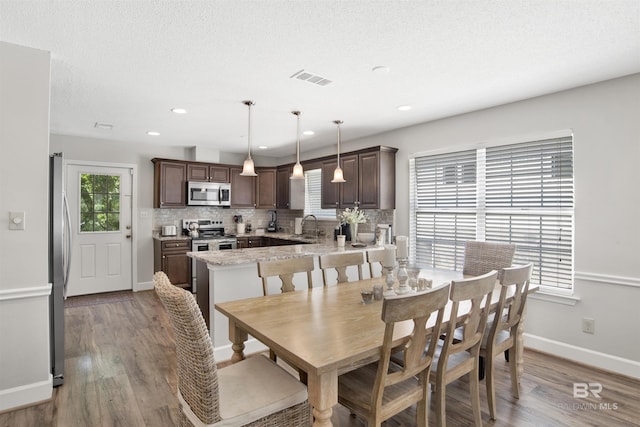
[99,202]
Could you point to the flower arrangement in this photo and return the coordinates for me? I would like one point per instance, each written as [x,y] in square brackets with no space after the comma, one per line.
[353,216]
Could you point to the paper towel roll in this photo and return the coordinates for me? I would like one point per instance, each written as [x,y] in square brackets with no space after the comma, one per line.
[240,228]
[298,226]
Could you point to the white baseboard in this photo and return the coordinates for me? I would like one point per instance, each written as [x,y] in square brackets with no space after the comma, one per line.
[143,286]
[25,395]
[225,352]
[608,362]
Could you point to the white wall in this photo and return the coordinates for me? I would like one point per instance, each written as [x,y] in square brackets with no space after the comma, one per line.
[604,119]
[24,164]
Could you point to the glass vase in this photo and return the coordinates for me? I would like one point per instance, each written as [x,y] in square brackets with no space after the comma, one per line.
[354,232]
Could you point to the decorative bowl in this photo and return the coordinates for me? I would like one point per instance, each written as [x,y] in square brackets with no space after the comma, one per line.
[366,237]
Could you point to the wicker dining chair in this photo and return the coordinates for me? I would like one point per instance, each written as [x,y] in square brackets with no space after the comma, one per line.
[455,359]
[483,257]
[378,391]
[234,395]
[502,334]
[340,262]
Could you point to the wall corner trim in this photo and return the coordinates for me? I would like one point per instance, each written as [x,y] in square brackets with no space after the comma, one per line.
[22,293]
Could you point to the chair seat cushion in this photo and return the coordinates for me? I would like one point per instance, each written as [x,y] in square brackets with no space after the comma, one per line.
[252,389]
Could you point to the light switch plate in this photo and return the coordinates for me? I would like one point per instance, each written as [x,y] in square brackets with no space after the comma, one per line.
[16,220]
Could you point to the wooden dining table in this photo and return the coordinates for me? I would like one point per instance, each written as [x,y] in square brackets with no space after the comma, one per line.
[324,331]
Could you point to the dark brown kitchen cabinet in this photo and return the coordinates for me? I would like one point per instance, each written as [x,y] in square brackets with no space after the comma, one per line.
[283,175]
[171,257]
[370,177]
[289,192]
[243,189]
[330,191]
[170,184]
[349,196]
[250,242]
[266,188]
[207,172]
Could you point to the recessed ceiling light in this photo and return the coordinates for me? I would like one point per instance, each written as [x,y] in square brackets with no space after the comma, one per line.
[179,110]
[262,147]
[404,107]
[153,133]
[105,126]
[380,69]
[308,132]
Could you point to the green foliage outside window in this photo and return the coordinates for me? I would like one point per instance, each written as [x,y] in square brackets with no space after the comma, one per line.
[99,202]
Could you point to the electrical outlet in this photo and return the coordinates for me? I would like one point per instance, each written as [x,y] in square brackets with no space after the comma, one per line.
[588,325]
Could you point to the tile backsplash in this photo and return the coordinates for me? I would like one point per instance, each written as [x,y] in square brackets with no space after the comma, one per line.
[259,218]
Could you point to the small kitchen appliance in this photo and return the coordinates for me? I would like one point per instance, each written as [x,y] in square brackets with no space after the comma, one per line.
[169,230]
[272,225]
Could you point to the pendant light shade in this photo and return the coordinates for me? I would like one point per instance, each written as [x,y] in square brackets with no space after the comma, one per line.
[298,172]
[248,168]
[337,174]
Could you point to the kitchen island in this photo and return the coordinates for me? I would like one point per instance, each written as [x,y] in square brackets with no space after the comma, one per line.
[231,275]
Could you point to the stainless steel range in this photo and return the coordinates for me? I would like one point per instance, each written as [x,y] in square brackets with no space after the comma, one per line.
[210,237]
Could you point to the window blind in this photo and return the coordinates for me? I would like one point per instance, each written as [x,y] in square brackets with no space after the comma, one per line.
[313,195]
[519,193]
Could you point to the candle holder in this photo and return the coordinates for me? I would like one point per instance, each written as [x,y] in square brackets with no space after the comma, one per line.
[404,288]
[389,279]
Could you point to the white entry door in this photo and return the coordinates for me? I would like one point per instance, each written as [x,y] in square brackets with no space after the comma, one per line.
[100,210]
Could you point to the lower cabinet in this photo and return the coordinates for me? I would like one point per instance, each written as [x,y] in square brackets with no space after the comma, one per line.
[250,242]
[171,257]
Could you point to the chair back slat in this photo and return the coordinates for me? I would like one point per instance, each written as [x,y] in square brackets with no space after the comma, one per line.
[285,269]
[340,262]
[375,256]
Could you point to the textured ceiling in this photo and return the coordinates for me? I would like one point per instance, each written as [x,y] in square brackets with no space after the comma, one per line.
[127,63]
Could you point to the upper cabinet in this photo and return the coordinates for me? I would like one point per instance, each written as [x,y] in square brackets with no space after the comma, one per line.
[207,172]
[370,177]
[170,184]
[289,192]
[266,188]
[243,189]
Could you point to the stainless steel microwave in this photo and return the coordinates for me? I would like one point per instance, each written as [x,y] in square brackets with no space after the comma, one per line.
[208,193]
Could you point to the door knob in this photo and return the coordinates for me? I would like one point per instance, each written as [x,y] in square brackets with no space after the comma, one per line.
[128,236]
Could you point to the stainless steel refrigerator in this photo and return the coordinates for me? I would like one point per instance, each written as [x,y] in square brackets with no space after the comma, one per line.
[59,262]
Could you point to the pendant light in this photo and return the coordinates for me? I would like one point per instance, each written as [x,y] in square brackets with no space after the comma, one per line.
[248,168]
[298,172]
[337,174]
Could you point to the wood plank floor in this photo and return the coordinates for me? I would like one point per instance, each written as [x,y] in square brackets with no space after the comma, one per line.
[120,370]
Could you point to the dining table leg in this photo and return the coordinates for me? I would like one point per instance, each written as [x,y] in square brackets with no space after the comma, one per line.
[323,396]
[237,336]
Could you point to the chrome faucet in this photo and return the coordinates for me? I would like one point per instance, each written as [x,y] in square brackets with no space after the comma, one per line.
[315,220]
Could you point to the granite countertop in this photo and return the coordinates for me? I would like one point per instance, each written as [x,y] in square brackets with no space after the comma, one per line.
[157,236]
[249,255]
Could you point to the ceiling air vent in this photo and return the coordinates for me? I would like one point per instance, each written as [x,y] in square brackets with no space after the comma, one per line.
[311,78]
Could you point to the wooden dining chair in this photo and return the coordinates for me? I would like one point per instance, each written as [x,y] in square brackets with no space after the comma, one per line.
[455,359]
[483,257]
[340,262]
[285,269]
[501,335]
[382,389]
[234,395]
[375,257]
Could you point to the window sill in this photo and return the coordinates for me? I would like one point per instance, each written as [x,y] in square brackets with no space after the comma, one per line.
[564,299]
